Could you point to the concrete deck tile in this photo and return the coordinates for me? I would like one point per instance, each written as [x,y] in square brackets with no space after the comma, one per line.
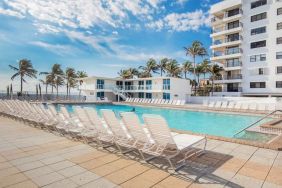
[84,178]
[13,179]
[87,157]
[173,181]
[5,165]
[25,184]
[61,165]
[8,172]
[100,183]
[39,171]
[274,176]
[30,166]
[71,171]
[62,183]
[105,169]
[246,181]
[271,185]
[52,160]
[47,179]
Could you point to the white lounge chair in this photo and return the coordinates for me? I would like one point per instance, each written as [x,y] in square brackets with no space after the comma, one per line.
[244,107]
[224,105]
[211,105]
[231,105]
[237,106]
[218,104]
[261,107]
[205,103]
[253,107]
[167,146]
[271,107]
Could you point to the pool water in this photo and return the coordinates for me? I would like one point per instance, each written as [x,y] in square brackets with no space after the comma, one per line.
[217,124]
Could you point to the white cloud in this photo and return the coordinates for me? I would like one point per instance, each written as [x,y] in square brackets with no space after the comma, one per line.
[181,21]
[55,48]
[10,12]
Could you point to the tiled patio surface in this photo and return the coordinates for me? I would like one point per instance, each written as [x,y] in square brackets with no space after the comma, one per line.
[30,157]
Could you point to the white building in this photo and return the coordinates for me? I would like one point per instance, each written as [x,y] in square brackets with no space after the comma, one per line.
[151,88]
[247,41]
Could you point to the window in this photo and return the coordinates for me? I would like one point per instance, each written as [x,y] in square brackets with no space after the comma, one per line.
[258,44]
[260,57]
[258,30]
[260,71]
[279,40]
[279,69]
[279,11]
[100,84]
[233,62]
[233,37]
[166,96]
[279,26]
[141,86]
[148,84]
[233,12]
[258,17]
[141,95]
[148,95]
[257,84]
[166,84]
[258,3]
[278,55]
[278,84]
[100,95]
[233,25]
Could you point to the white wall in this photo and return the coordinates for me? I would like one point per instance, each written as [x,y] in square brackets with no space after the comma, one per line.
[199,100]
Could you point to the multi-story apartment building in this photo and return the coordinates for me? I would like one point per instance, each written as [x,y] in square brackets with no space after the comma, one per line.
[116,89]
[247,42]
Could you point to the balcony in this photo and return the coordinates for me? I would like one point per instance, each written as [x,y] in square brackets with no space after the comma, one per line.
[227,54]
[224,5]
[227,42]
[233,65]
[227,17]
[236,78]
[224,30]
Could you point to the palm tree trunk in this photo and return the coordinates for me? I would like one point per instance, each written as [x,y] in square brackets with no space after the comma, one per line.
[67,88]
[52,89]
[46,89]
[21,84]
[57,91]
[212,86]
[194,70]
[185,75]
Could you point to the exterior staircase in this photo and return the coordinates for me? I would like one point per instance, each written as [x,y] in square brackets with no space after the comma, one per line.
[121,93]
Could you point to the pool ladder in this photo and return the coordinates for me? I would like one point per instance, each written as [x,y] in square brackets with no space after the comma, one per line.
[264,117]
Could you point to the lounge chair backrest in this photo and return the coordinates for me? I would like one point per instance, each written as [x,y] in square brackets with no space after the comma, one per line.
[82,116]
[114,124]
[159,129]
[245,106]
[95,119]
[211,104]
[253,106]
[237,105]
[231,105]
[205,103]
[132,123]
[271,107]
[224,104]
[261,107]
[65,112]
[52,109]
[218,104]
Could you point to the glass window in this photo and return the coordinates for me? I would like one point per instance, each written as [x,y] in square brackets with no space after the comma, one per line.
[141,95]
[233,12]
[257,84]
[279,40]
[279,69]
[166,96]
[255,58]
[166,84]
[258,17]
[260,71]
[100,84]
[258,44]
[258,3]
[233,37]
[278,55]
[148,95]
[279,11]
[148,84]
[233,25]
[278,84]
[258,30]
[101,94]
[279,26]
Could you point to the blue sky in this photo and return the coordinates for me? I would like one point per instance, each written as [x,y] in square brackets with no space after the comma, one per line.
[97,36]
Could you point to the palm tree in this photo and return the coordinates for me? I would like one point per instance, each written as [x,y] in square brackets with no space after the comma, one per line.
[25,69]
[58,76]
[162,65]
[81,74]
[199,71]
[151,67]
[196,49]
[70,79]
[205,66]
[128,73]
[215,71]
[123,74]
[186,68]
[173,69]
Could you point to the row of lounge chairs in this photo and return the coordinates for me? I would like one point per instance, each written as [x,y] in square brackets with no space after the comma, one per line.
[156,101]
[240,106]
[154,139]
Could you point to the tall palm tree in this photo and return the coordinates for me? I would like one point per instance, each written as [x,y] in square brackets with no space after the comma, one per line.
[196,49]
[205,66]
[24,69]
[70,76]
[151,67]
[186,68]
[48,81]
[162,65]
[81,74]
[199,71]
[128,73]
[58,74]
[173,69]
[215,71]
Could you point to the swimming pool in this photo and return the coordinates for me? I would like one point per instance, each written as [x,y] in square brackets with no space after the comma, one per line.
[216,124]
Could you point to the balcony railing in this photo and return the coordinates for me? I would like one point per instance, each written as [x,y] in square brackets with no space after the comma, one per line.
[233,64]
[226,15]
[234,89]
[227,52]
[227,40]
[225,28]
[229,77]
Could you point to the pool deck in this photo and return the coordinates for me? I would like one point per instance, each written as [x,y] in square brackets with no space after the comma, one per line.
[30,157]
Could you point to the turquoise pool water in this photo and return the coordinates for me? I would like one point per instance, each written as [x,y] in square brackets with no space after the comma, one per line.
[217,124]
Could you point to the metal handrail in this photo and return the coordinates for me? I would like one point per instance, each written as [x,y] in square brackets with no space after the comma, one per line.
[257,121]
